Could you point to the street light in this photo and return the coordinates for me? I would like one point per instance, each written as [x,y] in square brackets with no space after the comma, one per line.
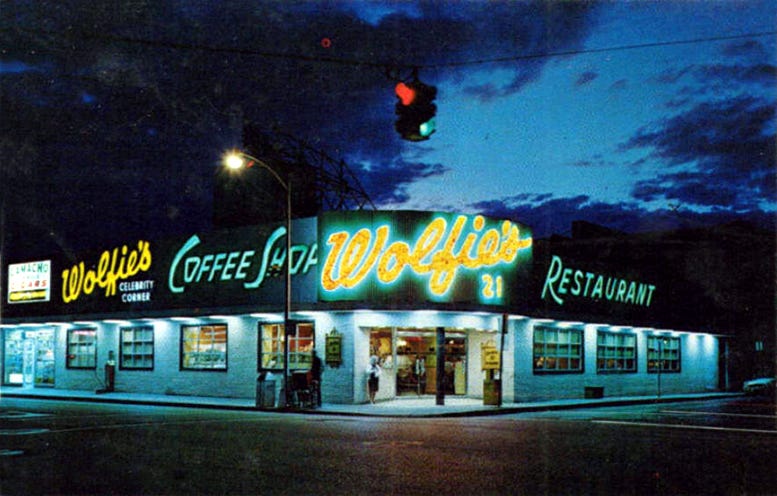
[236,160]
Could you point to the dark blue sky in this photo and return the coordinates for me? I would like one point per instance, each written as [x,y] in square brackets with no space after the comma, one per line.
[640,116]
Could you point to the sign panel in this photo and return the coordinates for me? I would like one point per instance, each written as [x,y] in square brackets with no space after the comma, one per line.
[409,256]
[29,282]
[243,266]
[489,357]
[334,348]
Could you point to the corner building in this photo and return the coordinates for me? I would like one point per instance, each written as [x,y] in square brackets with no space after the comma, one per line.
[460,302]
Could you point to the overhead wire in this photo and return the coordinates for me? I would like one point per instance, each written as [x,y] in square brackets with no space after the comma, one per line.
[379,64]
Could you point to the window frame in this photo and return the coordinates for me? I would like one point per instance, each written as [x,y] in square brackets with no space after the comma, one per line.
[616,348]
[136,342]
[276,349]
[557,357]
[70,356]
[200,327]
[651,369]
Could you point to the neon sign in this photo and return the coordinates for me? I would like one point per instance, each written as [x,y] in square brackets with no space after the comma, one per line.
[114,266]
[247,266]
[560,281]
[442,251]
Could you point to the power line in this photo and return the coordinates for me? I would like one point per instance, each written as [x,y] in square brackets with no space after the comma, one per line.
[602,50]
[372,63]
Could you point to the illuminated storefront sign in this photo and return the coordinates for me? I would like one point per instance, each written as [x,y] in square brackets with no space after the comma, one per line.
[447,257]
[29,282]
[561,282]
[249,266]
[113,266]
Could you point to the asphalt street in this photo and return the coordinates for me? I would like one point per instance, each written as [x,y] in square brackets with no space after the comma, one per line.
[706,447]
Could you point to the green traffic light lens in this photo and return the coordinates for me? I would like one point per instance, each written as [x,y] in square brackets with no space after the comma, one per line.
[427,128]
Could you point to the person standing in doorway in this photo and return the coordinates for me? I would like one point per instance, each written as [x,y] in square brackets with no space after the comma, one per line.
[373,376]
[316,369]
[420,374]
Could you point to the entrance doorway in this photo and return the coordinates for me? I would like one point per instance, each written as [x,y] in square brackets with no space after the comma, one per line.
[417,362]
[29,358]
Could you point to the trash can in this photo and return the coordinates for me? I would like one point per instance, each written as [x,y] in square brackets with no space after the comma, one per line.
[492,390]
[594,392]
[265,393]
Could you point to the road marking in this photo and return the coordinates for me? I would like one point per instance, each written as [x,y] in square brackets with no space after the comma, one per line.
[132,425]
[10,452]
[21,415]
[681,426]
[746,415]
[22,432]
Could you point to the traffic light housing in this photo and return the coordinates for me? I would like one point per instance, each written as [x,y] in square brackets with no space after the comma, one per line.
[415,110]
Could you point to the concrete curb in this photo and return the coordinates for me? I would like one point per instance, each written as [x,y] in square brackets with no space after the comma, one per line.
[365,411]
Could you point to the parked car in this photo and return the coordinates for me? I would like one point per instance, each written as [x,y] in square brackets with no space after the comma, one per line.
[760,386]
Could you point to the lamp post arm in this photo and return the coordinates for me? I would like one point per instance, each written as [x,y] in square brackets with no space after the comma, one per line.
[264,165]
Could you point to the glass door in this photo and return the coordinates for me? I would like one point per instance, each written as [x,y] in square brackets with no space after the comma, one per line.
[44,358]
[417,362]
[29,358]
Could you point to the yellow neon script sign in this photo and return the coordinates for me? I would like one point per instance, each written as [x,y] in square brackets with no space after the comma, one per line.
[114,265]
[434,252]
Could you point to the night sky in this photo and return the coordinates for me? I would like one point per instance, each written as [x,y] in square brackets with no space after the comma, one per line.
[640,116]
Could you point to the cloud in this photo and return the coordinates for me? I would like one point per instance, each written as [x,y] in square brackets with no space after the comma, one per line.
[586,78]
[620,84]
[744,49]
[722,153]
[547,215]
[760,74]
[388,183]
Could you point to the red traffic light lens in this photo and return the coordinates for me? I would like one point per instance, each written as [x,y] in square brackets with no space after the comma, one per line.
[405,93]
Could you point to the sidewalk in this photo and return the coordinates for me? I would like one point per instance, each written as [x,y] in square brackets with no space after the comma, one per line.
[424,406]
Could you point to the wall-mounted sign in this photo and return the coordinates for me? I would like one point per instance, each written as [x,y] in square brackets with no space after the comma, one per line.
[334,348]
[113,266]
[489,357]
[563,282]
[412,256]
[242,266]
[195,264]
[29,282]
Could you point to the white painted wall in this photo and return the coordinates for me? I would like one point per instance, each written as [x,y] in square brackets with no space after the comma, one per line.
[699,369]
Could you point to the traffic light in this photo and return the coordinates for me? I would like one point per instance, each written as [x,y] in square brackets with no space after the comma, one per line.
[415,110]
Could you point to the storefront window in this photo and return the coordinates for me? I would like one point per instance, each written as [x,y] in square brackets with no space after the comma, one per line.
[301,341]
[616,352]
[558,350]
[29,357]
[81,349]
[204,347]
[663,354]
[137,348]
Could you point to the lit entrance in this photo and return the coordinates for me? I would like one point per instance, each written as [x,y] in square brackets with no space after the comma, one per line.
[29,358]
[416,362]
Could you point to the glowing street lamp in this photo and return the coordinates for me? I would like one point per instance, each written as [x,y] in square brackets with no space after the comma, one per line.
[236,160]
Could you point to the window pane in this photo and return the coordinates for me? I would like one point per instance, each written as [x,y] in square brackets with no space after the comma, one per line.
[204,347]
[82,348]
[557,350]
[137,348]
